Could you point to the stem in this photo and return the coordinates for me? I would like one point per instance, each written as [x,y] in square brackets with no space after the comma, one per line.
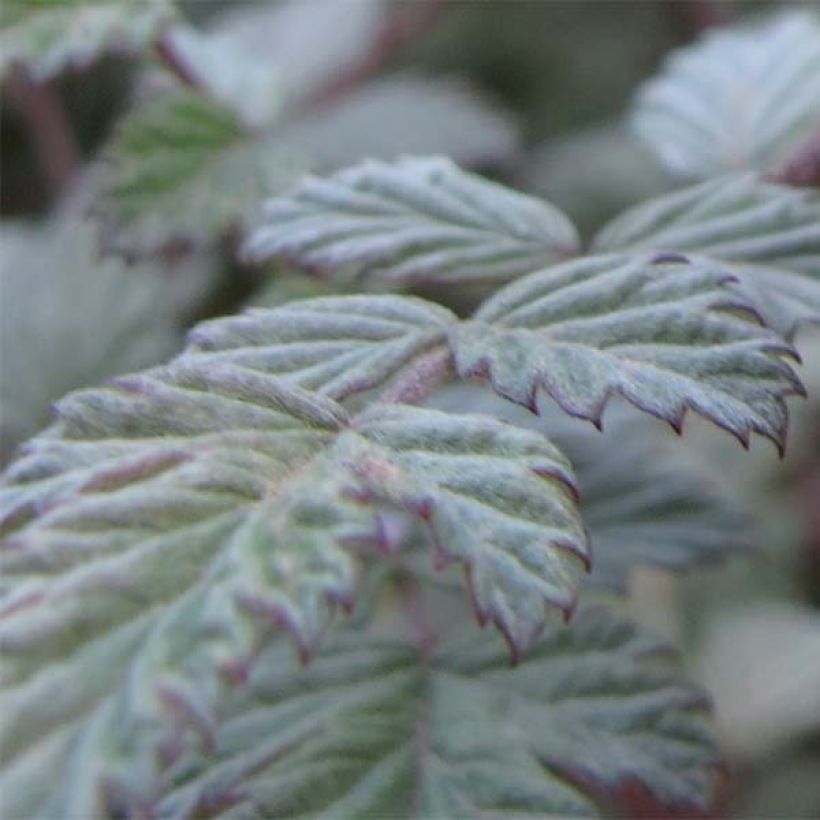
[171,59]
[397,32]
[422,377]
[47,123]
[802,168]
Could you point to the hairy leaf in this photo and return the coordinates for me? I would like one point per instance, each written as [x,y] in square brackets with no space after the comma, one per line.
[663,332]
[52,282]
[49,37]
[410,221]
[743,98]
[404,114]
[333,345]
[373,730]
[644,502]
[766,235]
[167,525]
[184,166]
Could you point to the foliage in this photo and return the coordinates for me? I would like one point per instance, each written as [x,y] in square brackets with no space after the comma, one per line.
[246,583]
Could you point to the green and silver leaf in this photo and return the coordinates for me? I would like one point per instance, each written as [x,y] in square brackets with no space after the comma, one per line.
[414,220]
[766,235]
[646,501]
[739,98]
[47,38]
[661,331]
[372,729]
[184,166]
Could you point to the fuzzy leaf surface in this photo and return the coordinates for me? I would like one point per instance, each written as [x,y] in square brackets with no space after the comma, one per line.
[168,525]
[767,235]
[663,332]
[183,166]
[369,731]
[414,220]
[643,501]
[48,38]
[743,98]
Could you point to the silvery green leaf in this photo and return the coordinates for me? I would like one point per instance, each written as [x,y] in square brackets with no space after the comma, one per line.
[70,319]
[767,235]
[184,166]
[48,38]
[664,332]
[738,98]
[369,731]
[414,220]
[404,114]
[168,525]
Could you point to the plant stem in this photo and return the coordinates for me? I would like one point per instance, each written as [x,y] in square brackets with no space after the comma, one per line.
[424,374]
[49,129]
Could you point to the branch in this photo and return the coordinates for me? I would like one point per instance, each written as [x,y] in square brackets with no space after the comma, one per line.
[397,33]
[49,127]
[802,168]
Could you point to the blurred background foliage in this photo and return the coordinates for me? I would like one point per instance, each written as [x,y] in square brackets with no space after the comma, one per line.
[534,93]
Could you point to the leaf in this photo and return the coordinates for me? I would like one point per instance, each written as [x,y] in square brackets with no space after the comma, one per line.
[643,501]
[52,285]
[336,346]
[167,525]
[223,67]
[49,37]
[742,98]
[663,332]
[405,114]
[768,236]
[415,220]
[369,731]
[184,166]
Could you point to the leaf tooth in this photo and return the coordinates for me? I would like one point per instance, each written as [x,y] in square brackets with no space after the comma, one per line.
[186,712]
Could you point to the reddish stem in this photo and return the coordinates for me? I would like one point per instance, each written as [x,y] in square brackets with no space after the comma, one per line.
[47,123]
[422,377]
[802,168]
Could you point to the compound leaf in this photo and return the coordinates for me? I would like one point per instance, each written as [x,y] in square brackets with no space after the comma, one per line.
[184,166]
[369,731]
[410,221]
[767,235]
[47,38]
[167,525]
[743,98]
[661,331]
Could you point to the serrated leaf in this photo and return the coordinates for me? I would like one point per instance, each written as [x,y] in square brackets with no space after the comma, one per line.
[49,37]
[184,166]
[662,332]
[167,525]
[739,98]
[333,345]
[643,501]
[405,114]
[52,284]
[415,220]
[766,235]
[369,731]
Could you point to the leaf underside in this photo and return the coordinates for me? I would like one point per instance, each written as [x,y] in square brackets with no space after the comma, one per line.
[663,332]
[414,220]
[766,235]
[742,98]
